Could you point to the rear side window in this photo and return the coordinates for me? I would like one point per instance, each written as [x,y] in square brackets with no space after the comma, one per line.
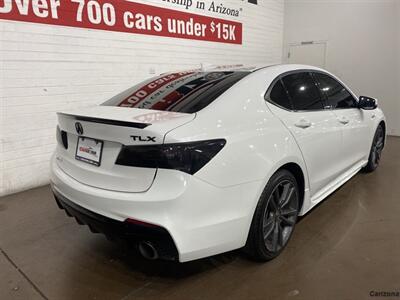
[279,96]
[186,92]
[337,95]
[303,91]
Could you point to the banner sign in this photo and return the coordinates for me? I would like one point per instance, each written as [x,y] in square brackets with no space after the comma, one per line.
[123,16]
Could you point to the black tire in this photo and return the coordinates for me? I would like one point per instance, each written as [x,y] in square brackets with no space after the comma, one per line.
[275,217]
[376,150]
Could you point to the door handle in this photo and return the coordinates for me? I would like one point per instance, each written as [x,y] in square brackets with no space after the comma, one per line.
[373,116]
[344,120]
[303,123]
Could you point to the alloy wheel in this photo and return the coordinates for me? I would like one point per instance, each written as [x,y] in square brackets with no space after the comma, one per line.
[280,216]
[377,147]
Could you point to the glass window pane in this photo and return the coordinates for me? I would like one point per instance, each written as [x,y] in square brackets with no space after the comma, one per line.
[279,96]
[338,96]
[186,92]
[303,91]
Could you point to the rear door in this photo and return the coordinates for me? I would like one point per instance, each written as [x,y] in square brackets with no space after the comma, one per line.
[350,119]
[299,104]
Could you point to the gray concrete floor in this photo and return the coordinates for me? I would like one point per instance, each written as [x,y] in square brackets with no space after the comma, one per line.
[345,248]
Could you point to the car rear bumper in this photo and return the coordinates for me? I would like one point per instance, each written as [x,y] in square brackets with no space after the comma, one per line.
[197,218]
[127,231]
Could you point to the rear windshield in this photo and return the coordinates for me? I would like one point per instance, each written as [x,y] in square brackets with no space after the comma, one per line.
[186,92]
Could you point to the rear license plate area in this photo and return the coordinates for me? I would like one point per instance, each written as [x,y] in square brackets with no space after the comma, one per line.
[89,151]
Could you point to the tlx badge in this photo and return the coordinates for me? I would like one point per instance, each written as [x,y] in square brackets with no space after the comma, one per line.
[138,138]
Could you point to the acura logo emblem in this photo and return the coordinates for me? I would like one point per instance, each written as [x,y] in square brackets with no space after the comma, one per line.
[79,128]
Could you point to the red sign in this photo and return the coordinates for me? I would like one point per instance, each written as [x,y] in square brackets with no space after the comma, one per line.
[123,16]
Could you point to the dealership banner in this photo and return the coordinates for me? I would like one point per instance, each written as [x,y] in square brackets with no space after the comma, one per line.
[123,16]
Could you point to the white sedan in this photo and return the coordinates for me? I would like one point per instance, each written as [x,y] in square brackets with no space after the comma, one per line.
[192,164]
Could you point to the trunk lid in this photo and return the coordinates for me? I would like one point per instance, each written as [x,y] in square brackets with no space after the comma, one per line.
[113,127]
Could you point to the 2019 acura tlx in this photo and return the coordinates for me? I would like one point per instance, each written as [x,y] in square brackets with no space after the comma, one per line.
[196,163]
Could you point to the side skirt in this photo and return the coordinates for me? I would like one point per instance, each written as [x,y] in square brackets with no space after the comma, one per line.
[336,184]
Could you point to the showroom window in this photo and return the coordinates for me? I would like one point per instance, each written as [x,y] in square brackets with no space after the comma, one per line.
[338,97]
[303,91]
[280,96]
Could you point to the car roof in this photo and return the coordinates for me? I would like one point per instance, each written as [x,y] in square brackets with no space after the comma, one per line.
[288,67]
[253,68]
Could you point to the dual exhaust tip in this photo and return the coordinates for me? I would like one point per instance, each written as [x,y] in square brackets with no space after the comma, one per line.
[148,251]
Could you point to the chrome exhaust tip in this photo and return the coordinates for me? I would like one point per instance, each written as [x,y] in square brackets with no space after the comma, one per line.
[148,251]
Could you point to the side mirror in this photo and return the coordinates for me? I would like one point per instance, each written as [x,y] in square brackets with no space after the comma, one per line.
[367,103]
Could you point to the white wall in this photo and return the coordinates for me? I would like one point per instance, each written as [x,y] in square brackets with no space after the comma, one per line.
[46,68]
[363,44]
[396,121]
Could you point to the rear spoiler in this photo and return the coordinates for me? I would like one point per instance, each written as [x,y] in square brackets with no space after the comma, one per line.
[107,121]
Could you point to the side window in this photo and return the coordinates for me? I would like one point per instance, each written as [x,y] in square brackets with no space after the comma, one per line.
[303,91]
[338,96]
[279,96]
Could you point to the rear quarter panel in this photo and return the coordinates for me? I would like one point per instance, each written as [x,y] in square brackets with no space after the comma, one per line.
[258,144]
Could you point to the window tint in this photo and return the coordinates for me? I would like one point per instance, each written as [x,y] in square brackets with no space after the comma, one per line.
[303,92]
[338,96]
[186,92]
[279,96]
